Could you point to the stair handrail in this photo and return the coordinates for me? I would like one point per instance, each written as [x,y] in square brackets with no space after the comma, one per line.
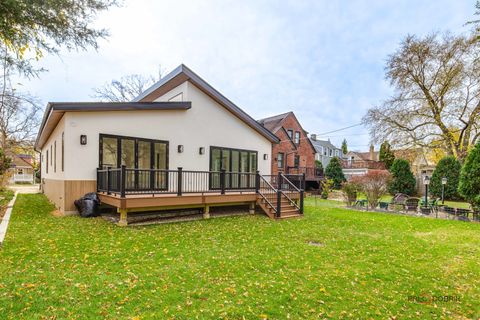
[290,182]
[290,200]
[263,196]
[300,191]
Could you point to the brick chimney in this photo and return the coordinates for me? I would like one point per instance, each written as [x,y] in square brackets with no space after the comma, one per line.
[372,153]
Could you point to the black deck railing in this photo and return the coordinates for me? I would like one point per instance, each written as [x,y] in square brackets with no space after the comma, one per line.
[127,181]
[309,172]
[123,181]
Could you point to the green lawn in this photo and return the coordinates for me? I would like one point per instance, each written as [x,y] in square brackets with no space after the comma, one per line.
[366,266]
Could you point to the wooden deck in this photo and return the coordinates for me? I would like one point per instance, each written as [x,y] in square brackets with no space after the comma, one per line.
[158,202]
[141,190]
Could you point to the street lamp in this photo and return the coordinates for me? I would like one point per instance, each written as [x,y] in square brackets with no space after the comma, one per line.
[426,182]
[444,182]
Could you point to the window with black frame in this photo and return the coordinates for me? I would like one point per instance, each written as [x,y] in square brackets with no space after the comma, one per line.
[140,156]
[239,166]
[280,160]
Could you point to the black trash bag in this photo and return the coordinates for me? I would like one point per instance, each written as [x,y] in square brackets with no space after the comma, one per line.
[88,205]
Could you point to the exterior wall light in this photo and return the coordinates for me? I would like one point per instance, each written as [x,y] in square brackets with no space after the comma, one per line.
[265,156]
[83,139]
[201,150]
[180,148]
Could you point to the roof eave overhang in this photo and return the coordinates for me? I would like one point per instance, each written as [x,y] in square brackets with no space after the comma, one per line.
[55,111]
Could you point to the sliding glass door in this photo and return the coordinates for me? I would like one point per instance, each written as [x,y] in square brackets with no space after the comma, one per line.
[139,155]
[238,165]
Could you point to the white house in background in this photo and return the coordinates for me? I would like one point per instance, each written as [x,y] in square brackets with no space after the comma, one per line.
[359,163]
[22,170]
[181,121]
[325,150]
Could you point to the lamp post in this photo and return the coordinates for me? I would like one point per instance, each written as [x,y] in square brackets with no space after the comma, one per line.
[426,182]
[444,182]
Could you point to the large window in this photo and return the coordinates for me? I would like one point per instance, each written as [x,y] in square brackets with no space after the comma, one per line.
[136,153]
[281,160]
[237,164]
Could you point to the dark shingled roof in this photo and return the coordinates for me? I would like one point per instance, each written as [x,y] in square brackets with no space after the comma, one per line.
[274,123]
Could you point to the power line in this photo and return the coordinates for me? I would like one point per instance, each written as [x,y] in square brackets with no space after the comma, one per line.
[345,128]
[344,135]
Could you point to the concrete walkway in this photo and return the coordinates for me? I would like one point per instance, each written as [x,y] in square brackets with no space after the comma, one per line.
[25,188]
[6,219]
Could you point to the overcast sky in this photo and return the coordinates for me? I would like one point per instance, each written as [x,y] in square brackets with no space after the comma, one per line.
[323,60]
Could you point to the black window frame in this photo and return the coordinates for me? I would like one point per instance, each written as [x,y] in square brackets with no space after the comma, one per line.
[152,157]
[250,184]
[282,161]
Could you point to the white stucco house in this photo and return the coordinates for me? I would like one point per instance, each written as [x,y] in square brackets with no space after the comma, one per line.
[180,122]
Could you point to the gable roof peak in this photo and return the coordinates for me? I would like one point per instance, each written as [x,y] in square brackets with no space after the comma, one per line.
[182,74]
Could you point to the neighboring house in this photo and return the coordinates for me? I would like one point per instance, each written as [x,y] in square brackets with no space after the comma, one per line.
[22,169]
[295,153]
[181,136]
[325,150]
[421,165]
[359,163]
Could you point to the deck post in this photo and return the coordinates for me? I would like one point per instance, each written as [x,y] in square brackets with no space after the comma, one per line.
[279,181]
[301,200]
[123,177]
[123,218]
[206,212]
[222,181]
[108,179]
[303,181]
[251,210]
[257,182]
[179,181]
[98,179]
[279,203]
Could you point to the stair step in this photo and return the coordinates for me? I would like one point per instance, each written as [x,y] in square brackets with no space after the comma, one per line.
[290,216]
[289,211]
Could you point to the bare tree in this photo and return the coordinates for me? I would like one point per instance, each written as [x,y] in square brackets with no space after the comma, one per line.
[437,95]
[127,88]
[19,111]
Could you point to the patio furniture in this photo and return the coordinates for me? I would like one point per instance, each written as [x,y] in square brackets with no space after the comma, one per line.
[399,200]
[426,210]
[462,214]
[363,204]
[459,213]
[383,205]
[411,204]
[476,215]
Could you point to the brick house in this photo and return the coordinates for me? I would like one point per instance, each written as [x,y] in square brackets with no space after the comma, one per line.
[295,152]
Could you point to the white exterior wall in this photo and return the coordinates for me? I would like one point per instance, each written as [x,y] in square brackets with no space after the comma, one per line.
[55,136]
[206,124]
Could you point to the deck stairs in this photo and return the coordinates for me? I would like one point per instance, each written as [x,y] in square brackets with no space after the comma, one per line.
[279,197]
